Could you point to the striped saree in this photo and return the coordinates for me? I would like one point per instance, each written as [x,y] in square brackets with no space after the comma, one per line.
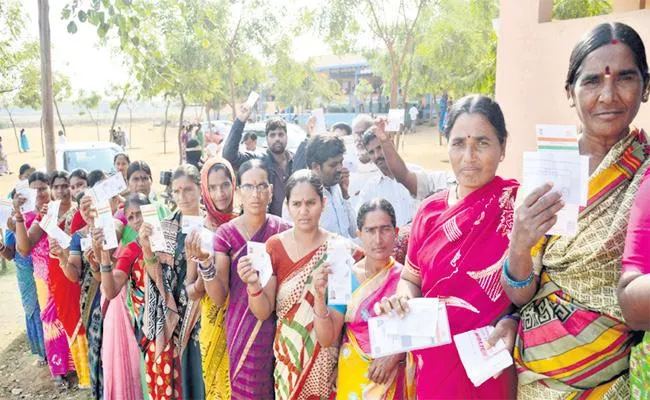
[571,341]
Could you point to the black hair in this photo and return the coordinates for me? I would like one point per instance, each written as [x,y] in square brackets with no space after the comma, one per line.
[375,205]
[368,136]
[38,176]
[137,166]
[275,123]
[250,135]
[479,104]
[136,199]
[118,155]
[342,125]
[220,167]
[323,147]
[59,175]
[252,164]
[24,168]
[304,176]
[187,171]
[96,176]
[600,36]
[80,173]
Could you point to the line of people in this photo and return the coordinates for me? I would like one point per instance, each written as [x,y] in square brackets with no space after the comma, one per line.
[190,323]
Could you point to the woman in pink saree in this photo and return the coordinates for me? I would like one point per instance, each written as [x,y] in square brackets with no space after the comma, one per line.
[456,251]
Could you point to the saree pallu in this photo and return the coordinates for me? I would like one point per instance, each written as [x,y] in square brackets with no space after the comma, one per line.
[303,369]
[249,341]
[120,352]
[57,349]
[214,357]
[458,252]
[29,299]
[355,359]
[574,321]
[171,324]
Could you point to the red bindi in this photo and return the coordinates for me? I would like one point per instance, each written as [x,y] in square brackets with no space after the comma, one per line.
[614,41]
[607,71]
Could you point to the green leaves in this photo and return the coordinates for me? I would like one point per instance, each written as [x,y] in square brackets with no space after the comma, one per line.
[82,16]
[72,27]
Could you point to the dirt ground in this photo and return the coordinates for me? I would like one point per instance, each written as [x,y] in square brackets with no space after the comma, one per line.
[19,377]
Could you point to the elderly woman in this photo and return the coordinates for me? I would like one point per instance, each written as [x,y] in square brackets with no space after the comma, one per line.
[572,341]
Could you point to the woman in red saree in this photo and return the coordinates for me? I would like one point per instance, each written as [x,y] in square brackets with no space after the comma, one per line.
[458,242]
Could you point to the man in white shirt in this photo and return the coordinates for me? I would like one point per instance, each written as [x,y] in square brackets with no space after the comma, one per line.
[325,157]
[413,113]
[383,184]
[420,184]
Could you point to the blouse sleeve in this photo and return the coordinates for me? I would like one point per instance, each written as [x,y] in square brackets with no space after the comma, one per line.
[75,245]
[222,240]
[127,256]
[271,248]
[636,257]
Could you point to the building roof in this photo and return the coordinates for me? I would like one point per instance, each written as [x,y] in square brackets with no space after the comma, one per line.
[330,61]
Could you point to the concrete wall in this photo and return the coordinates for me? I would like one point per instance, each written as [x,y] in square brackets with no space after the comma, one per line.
[532,63]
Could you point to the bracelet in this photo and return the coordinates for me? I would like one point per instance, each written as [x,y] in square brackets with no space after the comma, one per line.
[255,294]
[20,218]
[327,314]
[514,283]
[106,268]
[151,261]
[208,272]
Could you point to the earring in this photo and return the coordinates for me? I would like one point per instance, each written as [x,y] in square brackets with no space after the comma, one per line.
[645,96]
[572,104]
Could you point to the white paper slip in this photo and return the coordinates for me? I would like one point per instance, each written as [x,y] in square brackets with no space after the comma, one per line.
[584,184]
[261,261]
[422,320]
[150,216]
[106,189]
[481,363]
[320,126]
[382,343]
[106,223]
[53,208]
[29,194]
[339,258]
[86,243]
[48,224]
[6,209]
[350,160]
[252,99]
[190,223]
[395,119]
[557,137]
[567,221]
[564,169]
[207,241]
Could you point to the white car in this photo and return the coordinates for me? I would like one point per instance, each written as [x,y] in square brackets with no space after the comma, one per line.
[87,155]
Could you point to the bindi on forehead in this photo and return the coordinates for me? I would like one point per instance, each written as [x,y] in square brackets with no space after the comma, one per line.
[608,71]
[615,41]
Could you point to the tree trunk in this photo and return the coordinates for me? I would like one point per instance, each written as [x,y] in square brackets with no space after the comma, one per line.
[180,130]
[117,109]
[130,126]
[394,84]
[207,112]
[58,114]
[165,129]
[94,121]
[42,138]
[46,83]
[13,125]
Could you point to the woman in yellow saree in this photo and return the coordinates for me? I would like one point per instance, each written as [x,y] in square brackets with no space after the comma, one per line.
[359,375]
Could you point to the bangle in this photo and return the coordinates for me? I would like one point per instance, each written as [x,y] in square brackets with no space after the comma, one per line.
[255,294]
[327,314]
[106,268]
[151,261]
[514,283]
[20,218]
[514,317]
[208,272]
